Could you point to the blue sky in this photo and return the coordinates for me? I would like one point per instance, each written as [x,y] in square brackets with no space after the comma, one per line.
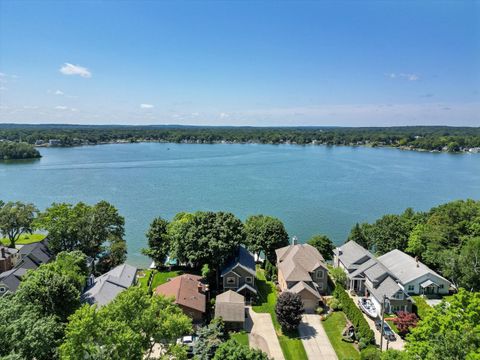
[346,63]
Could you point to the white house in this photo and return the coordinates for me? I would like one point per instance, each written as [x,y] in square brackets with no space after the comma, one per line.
[414,277]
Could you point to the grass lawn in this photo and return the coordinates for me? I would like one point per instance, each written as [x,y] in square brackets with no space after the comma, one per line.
[25,239]
[241,337]
[161,277]
[291,344]
[334,325]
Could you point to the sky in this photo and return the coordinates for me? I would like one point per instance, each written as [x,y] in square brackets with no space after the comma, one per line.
[261,63]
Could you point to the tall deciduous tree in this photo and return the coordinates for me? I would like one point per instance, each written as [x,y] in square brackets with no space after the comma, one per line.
[210,337]
[265,233]
[16,218]
[289,310]
[96,230]
[158,241]
[323,244]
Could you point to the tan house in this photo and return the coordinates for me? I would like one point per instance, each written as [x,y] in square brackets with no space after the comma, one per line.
[230,306]
[188,292]
[302,270]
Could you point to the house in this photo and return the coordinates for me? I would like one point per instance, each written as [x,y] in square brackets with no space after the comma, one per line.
[239,274]
[8,258]
[188,292]
[28,257]
[368,276]
[103,289]
[230,306]
[414,277]
[302,270]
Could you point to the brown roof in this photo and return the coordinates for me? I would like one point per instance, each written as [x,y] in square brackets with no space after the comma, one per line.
[186,291]
[297,261]
[230,306]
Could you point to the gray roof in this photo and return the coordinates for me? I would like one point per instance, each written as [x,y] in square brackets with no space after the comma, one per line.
[107,286]
[242,258]
[376,272]
[32,256]
[230,306]
[296,262]
[405,267]
[387,287]
[352,255]
[301,286]
[359,272]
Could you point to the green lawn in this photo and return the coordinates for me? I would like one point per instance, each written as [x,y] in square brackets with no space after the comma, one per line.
[159,277]
[25,239]
[334,325]
[291,344]
[241,337]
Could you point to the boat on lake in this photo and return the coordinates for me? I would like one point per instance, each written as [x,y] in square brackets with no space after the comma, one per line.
[368,307]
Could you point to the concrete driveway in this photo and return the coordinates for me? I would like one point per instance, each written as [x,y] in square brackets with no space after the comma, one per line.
[262,334]
[315,339]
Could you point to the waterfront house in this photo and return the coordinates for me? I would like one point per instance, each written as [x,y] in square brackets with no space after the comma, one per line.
[239,274]
[188,292]
[230,306]
[103,289]
[414,277]
[368,276]
[302,270]
[28,257]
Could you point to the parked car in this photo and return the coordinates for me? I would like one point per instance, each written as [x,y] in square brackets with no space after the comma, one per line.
[378,324]
[388,334]
[188,342]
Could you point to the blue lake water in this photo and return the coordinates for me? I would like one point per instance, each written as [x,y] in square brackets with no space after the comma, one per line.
[312,189]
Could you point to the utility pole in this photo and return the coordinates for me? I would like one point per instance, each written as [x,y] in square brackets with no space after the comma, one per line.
[382,315]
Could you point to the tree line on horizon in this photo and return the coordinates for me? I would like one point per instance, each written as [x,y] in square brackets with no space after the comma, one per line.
[431,138]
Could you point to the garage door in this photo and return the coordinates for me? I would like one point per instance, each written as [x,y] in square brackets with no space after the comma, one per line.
[310,305]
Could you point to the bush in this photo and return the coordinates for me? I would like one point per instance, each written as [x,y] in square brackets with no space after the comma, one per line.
[353,313]
[370,353]
[334,304]
[319,310]
[404,322]
[289,310]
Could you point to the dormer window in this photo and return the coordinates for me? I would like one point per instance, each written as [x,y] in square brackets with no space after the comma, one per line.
[230,280]
[319,274]
[248,279]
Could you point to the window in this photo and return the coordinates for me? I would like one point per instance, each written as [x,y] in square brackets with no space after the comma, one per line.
[441,286]
[248,279]
[2,289]
[231,280]
[411,287]
[319,274]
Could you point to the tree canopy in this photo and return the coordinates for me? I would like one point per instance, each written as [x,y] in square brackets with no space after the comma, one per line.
[16,218]
[265,234]
[10,150]
[289,310]
[323,244]
[232,350]
[158,241]
[96,230]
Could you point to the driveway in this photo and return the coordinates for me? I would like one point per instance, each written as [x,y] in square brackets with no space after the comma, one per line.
[262,334]
[315,339]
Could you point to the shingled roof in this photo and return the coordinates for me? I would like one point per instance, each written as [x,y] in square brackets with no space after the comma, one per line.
[187,291]
[230,306]
[297,261]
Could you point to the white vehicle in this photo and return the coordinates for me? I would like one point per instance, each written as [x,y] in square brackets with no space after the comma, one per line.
[368,307]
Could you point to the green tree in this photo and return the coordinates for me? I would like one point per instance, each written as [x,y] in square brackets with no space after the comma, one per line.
[265,234]
[27,332]
[158,241]
[16,218]
[210,337]
[289,310]
[470,264]
[357,234]
[206,237]
[449,328]
[338,275]
[232,350]
[95,230]
[127,328]
[323,244]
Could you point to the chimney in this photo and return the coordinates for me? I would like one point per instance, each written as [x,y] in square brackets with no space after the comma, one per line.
[200,287]
[3,252]
[294,240]
[416,260]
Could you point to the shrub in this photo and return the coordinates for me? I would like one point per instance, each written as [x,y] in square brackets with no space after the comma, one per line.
[404,322]
[319,310]
[289,310]
[334,304]
[370,353]
[353,313]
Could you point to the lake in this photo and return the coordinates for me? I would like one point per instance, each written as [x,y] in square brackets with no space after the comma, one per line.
[312,189]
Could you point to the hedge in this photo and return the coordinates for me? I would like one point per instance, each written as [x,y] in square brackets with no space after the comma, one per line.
[362,329]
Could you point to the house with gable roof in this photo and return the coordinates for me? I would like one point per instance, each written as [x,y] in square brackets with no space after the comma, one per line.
[302,270]
[239,274]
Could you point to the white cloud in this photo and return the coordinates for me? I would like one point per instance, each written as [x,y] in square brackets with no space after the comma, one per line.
[70,69]
[224,115]
[406,76]
[59,92]
[146,106]
[61,107]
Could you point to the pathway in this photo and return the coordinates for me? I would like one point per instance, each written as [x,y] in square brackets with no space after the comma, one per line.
[262,334]
[315,339]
